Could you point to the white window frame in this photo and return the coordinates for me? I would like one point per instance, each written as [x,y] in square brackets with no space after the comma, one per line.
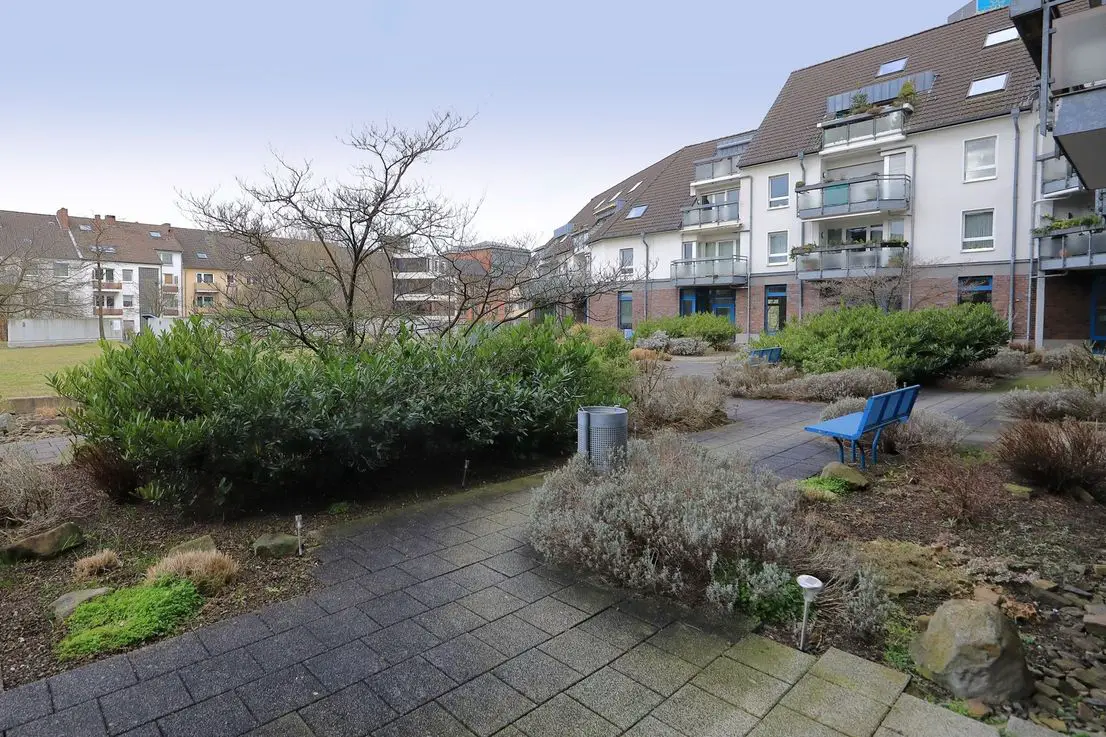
[626,267]
[128,275]
[165,257]
[984,177]
[964,240]
[775,259]
[639,209]
[891,67]
[1004,35]
[987,85]
[201,280]
[778,203]
[127,297]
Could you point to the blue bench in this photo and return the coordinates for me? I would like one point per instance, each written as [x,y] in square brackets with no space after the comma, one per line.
[882,410]
[764,355]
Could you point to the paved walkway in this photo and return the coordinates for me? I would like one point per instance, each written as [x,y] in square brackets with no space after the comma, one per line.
[442,622]
[44,450]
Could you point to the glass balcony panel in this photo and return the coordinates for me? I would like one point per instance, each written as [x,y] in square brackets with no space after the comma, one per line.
[865,259]
[862,129]
[835,136]
[836,196]
[863,192]
[834,260]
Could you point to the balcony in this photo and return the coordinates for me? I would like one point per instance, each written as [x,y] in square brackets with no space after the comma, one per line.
[715,170]
[109,311]
[171,312]
[204,287]
[1075,248]
[706,272]
[861,131]
[170,288]
[1058,177]
[888,193]
[107,286]
[702,217]
[840,262]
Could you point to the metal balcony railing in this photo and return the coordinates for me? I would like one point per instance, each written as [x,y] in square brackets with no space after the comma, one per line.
[1073,249]
[845,259]
[725,167]
[707,271]
[711,214]
[872,193]
[866,129]
[1057,175]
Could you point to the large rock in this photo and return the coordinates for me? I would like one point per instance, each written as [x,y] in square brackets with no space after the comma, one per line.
[276,545]
[848,474]
[1017,727]
[971,648]
[204,543]
[47,544]
[65,604]
[1095,624]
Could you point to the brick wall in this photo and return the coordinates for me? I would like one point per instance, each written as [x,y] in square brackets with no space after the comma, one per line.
[663,301]
[1068,306]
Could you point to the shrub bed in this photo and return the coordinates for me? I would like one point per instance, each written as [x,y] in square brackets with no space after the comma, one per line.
[1058,456]
[716,330]
[688,403]
[1053,405]
[232,427]
[775,381]
[915,346]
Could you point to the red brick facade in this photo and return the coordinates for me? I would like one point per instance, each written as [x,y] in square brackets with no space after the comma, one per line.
[1068,306]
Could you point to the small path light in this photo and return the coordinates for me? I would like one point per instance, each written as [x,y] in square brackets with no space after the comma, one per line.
[299,534]
[811,587]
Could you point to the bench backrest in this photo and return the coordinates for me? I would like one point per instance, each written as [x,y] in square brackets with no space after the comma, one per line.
[890,407]
[765,355]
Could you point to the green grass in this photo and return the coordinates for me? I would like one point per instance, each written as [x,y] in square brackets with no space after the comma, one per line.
[127,617]
[827,483]
[23,371]
[896,644]
[1035,380]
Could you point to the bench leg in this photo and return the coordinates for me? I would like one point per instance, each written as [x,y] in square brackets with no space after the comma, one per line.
[853,444]
[875,446]
[840,449]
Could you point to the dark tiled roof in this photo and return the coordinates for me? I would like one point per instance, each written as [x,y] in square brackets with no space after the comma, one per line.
[954,52]
[132,241]
[223,252]
[30,235]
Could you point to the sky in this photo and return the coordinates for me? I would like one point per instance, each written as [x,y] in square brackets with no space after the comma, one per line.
[117,107]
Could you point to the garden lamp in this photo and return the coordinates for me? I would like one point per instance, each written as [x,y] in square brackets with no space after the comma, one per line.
[811,587]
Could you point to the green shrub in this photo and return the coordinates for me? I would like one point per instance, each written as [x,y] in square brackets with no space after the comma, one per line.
[128,616]
[915,346]
[239,426]
[714,329]
[1082,368]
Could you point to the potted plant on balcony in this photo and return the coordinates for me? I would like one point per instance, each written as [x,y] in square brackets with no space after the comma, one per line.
[858,104]
[908,95]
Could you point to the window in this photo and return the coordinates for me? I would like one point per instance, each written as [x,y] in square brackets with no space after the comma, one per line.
[128,274]
[61,298]
[1000,37]
[974,290]
[718,249]
[626,259]
[205,278]
[979,230]
[636,185]
[155,233]
[625,310]
[85,227]
[61,269]
[102,249]
[170,301]
[128,300]
[636,211]
[205,300]
[615,196]
[689,250]
[988,84]
[775,307]
[891,67]
[231,280]
[103,274]
[778,195]
[979,158]
[169,279]
[105,300]
[201,254]
[898,230]
[777,248]
[166,257]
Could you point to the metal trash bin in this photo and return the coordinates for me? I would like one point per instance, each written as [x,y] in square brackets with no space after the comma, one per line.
[601,434]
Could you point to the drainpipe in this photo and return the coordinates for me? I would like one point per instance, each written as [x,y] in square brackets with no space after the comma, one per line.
[1014,115]
[749,270]
[646,274]
[1034,243]
[802,229]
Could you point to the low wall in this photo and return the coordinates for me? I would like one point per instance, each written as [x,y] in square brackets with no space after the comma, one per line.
[23,333]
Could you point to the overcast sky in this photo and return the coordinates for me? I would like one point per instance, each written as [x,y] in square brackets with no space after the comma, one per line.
[114,106]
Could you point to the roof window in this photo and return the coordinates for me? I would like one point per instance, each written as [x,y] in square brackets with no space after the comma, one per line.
[891,67]
[201,254]
[615,196]
[636,211]
[987,84]
[636,185]
[155,233]
[85,227]
[1000,37]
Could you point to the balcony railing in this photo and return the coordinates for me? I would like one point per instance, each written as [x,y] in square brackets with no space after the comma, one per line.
[866,129]
[1057,175]
[205,286]
[107,286]
[841,261]
[872,193]
[1076,248]
[169,288]
[110,311]
[701,215]
[706,170]
[710,271]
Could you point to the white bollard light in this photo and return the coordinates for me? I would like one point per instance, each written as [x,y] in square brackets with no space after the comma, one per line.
[811,587]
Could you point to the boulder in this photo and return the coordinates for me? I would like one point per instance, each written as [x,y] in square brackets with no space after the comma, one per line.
[205,542]
[1095,624]
[1018,491]
[276,545]
[848,474]
[972,649]
[987,595]
[1017,727]
[5,421]
[65,604]
[44,545]
[1099,569]
[1093,677]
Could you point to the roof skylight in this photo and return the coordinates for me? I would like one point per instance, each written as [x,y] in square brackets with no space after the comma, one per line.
[85,227]
[1000,37]
[615,196]
[636,185]
[155,233]
[987,84]
[201,254]
[636,211]
[890,67]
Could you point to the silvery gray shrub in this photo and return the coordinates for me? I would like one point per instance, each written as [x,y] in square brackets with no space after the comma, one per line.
[1053,405]
[687,346]
[658,341]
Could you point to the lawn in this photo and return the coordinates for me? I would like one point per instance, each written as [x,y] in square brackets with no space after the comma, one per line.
[23,371]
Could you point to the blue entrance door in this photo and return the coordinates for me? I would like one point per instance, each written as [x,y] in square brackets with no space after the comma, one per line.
[1098,310]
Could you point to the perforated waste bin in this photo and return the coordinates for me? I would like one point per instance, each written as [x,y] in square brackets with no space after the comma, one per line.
[601,434]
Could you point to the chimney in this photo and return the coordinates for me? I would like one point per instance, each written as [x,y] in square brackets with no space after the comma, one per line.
[166,228]
[109,219]
[63,218]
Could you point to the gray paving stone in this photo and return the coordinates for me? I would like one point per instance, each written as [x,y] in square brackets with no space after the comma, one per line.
[345,665]
[689,643]
[875,681]
[653,667]
[391,608]
[657,612]
[464,657]
[782,662]
[486,704]
[280,651]
[912,717]
[476,576]
[464,554]
[653,727]
[213,676]
[843,709]
[234,633]
[83,720]
[352,712]
[495,543]
[416,545]
[378,558]
[342,627]
[587,598]
[430,720]
[278,693]
[481,526]
[563,716]
[510,563]
[530,586]
[580,651]
[341,595]
[615,697]
[537,676]
[149,700]
[746,688]
[698,714]
[387,581]
[410,684]
[450,536]
[222,716]
[551,615]
[289,725]
[449,620]
[617,628]
[783,722]
[427,566]
[24,704]
[150,729]
[162,657]
[491,603]
[510,635]
[285,615]
[339,570]
[91,681]
[401,641]
[437,591]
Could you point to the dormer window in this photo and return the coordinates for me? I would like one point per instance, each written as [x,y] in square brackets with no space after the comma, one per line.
[85,227]
[987,84]
[891,67]
[155,233]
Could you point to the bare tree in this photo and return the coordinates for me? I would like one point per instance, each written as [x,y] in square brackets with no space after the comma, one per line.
[35,274]
[102,231]
[900,285]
